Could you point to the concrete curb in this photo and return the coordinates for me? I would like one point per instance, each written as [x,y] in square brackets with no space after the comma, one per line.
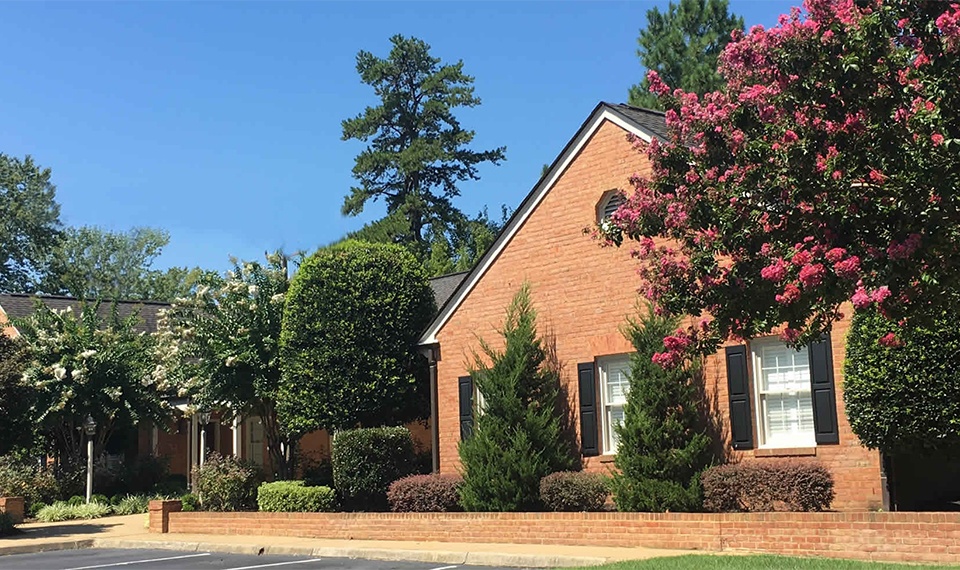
[46,547]
[437,556]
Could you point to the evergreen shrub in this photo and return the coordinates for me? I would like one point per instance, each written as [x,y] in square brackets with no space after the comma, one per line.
[295,497]
[901,397]
[519,436]
[664,444]
[366,461]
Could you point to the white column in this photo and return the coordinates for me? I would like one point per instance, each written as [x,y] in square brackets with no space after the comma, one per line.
[193,443]
[237,441]
[154,440]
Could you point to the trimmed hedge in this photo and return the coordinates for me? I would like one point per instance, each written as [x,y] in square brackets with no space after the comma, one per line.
[366,461]
[425,494]
[294,497]
[761,486]
[573,491]
[903,398]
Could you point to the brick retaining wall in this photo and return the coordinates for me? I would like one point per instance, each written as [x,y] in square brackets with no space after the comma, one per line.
[914,537]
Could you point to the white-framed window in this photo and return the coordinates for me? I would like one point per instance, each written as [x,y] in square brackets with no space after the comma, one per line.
[614,386]
[781,377]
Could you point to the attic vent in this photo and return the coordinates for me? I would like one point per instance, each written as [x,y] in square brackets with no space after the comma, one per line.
[610,204]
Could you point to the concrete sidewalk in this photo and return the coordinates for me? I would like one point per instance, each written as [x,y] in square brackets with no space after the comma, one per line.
[130,532]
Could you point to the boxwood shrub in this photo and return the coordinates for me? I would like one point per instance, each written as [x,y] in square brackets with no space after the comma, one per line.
[768,485]
[573,491]
[294,497]
[366,461]
[425,494]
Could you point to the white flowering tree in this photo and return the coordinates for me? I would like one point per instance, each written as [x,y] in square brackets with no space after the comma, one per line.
[219,347]
[89,362]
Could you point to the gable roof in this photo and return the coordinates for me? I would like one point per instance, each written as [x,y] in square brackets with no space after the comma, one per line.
[20,305]
[644,123]
[444,286]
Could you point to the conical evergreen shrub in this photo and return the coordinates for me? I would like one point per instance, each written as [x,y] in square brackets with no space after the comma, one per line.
[518,437]
[664,446]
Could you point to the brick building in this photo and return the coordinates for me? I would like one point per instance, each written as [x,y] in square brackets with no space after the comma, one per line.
[779,402]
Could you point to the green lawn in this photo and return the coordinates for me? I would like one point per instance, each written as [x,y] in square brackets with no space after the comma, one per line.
[757,562]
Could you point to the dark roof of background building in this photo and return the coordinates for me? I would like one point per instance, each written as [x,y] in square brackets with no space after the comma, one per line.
[647,119]
[444,286]
[20,305]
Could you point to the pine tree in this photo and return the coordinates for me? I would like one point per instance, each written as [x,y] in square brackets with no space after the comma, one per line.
[519,435]
[664,446]
[418,152]
[682,45]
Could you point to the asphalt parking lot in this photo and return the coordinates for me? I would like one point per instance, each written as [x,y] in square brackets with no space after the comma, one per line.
[96,558]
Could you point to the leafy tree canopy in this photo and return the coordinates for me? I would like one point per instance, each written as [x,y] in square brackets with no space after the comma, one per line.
[220,346]
[17,430]
[682,46]
[94,263]
[348,355]
[29,222]
[826,171]
[418,152]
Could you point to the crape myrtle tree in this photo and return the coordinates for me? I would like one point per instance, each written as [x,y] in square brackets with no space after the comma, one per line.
[519,436]
[664,446]
[682,46]
[825,171]
[418,152]
[348,342]
[88,362]
[220,346]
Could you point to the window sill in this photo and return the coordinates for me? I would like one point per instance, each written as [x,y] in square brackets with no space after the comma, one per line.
[786,452]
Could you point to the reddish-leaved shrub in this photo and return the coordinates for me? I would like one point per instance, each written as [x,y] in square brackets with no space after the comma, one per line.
[573,491]
[758,486]
[425,494]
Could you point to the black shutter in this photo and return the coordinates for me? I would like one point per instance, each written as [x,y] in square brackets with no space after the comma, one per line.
[738,382]
[589,435]
[466,407]
[822,391]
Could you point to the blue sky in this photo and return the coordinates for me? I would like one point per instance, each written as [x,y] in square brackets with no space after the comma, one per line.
[220,121]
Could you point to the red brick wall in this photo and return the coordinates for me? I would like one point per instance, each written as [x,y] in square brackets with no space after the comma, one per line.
[583,292]
[915,537]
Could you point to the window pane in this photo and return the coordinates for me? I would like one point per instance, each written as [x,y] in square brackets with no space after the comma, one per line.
[614,418]
[783,369]
[788,417]
[618,382]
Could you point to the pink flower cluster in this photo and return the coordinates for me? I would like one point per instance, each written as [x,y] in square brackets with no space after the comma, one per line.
[862,299]
[904,250]
[949,25]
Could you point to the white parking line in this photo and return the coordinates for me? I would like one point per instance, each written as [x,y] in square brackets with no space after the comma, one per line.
[138,561]
[275,564]
[444,568]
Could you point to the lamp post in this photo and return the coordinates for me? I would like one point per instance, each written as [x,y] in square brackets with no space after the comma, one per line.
[204,418]
[90,427]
